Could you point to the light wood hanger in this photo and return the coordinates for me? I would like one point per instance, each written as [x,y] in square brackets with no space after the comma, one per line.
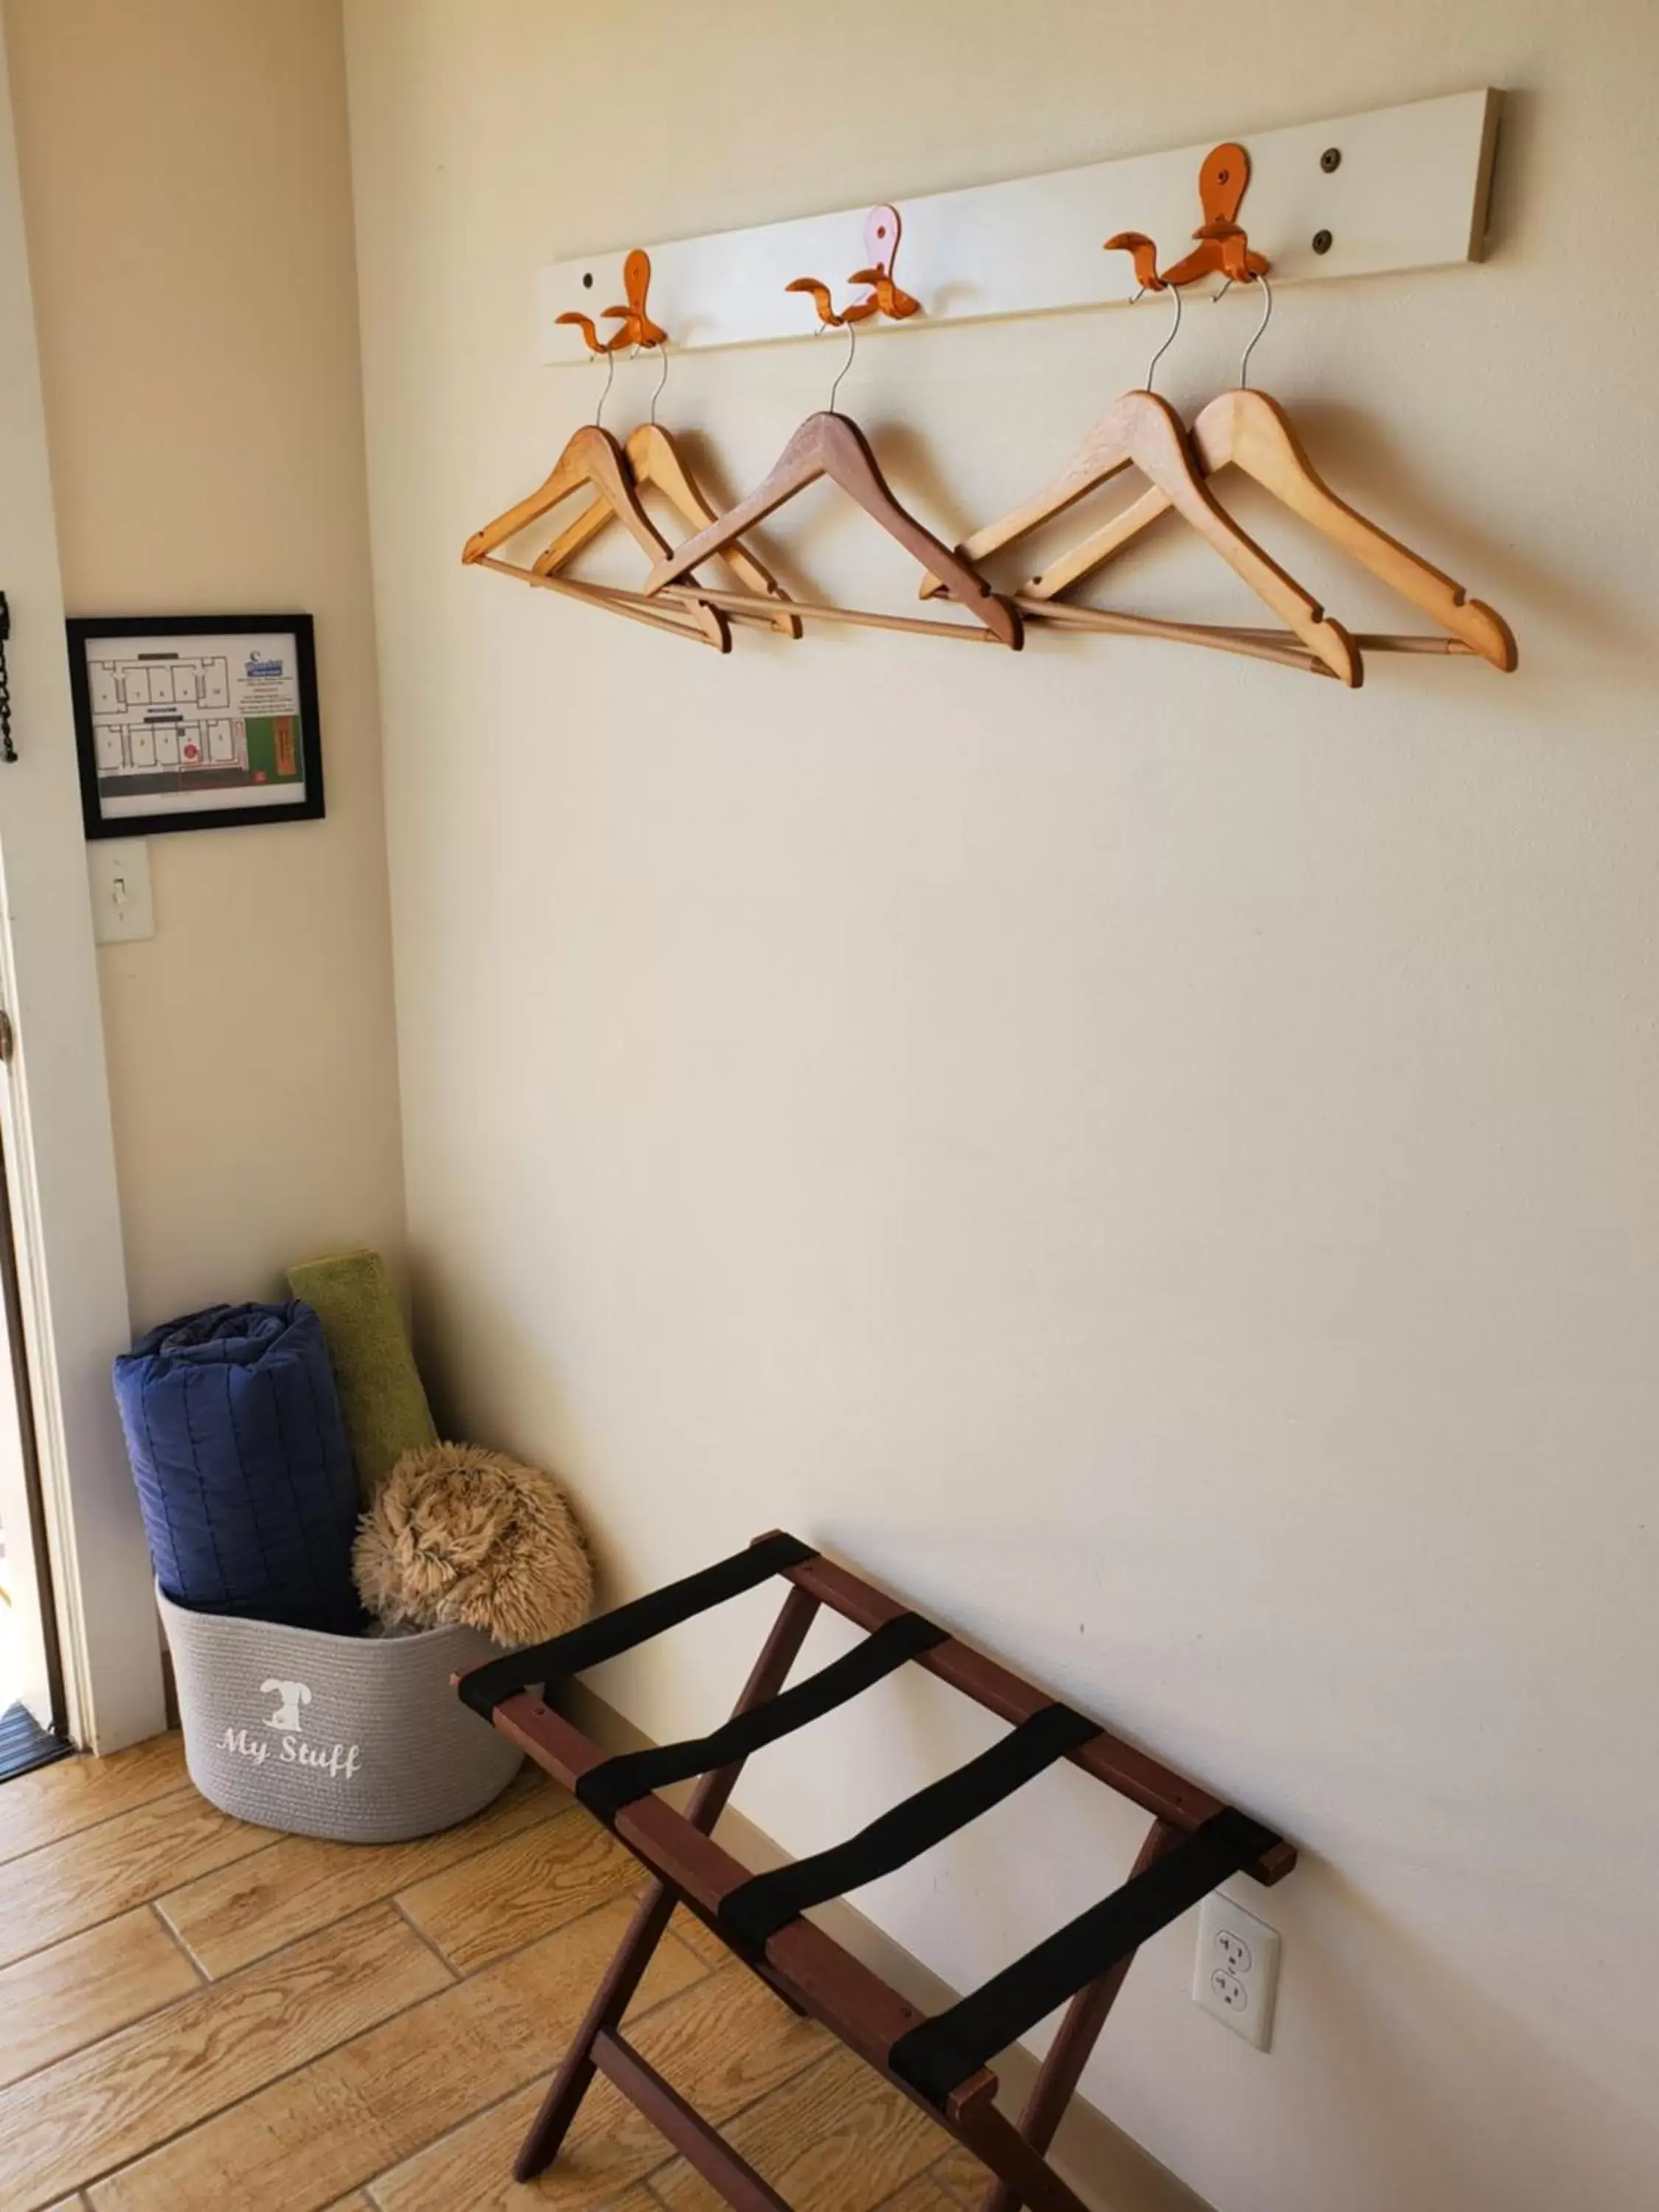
[592,458]
[833,445]
[1142,431]
[1248,430]
[654,458]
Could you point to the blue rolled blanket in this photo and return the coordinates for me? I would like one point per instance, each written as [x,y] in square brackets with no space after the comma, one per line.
[244,1472]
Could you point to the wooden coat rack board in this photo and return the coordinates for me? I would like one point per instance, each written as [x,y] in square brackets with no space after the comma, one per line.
[1408,190]
[1194,1842]
[1243,429]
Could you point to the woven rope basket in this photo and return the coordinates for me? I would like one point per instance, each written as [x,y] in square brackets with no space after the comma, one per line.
[360,1738]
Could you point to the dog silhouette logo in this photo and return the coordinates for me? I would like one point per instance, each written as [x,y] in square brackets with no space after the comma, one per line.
[292,1696]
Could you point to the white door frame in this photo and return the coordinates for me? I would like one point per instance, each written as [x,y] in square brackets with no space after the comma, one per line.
[54,1094]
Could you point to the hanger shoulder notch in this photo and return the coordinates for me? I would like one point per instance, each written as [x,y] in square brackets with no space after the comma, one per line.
[1158,446]
[1253,432]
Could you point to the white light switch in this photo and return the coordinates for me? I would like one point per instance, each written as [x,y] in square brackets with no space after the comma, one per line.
[118,868]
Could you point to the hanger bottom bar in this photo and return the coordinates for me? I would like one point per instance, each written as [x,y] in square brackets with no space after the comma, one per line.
[622,602]
[656,609]
[1390,641]
[1279,646]
[820,610]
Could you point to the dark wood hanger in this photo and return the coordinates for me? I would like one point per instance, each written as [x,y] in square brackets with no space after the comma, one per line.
[833,445]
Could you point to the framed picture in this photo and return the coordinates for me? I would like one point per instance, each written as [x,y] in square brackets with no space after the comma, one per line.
[195,722]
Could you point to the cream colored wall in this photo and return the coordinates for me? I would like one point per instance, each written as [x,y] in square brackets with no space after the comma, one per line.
[188,188]
[1151,1154]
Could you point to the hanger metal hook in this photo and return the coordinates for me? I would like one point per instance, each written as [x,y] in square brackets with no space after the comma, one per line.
[1174,292]
[851,347]
[661,380]
[610,376]
[1267,317]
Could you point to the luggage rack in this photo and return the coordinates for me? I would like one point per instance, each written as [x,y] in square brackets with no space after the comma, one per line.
[941,2062]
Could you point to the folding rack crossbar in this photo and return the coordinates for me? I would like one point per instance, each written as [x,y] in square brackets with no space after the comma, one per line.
[1195,1841]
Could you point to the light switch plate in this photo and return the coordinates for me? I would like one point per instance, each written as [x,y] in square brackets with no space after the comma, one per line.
[1236,1974]
[119,871]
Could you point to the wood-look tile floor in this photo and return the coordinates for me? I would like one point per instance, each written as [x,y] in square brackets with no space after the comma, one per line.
[200,2017]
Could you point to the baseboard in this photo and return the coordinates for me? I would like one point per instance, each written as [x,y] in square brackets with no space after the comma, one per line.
[1107,2169]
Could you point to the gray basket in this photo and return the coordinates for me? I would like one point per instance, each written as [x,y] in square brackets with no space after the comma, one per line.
[357,1738]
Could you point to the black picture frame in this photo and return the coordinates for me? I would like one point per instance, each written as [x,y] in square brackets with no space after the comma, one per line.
[195,790]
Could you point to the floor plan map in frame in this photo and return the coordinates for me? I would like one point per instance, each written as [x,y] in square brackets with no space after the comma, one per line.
[189,724]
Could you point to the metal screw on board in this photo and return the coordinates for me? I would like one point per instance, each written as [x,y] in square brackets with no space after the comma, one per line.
[1331,159]
[1322,241]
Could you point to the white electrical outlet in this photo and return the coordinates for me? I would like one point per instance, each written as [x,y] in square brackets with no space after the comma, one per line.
[1236,1974]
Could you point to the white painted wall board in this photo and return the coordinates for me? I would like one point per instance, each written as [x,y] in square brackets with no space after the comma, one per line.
[1410,192]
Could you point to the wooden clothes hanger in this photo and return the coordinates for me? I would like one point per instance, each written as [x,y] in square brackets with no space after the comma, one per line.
[831,444]
[592,459]
[1248,430]
[654,460]
[1142,431]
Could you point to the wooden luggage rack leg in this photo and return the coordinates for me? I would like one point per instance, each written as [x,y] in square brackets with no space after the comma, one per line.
[939,2063]
[627,1970]
[1074,2041]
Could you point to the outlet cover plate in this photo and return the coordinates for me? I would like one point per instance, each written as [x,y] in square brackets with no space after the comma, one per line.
[1236,1973]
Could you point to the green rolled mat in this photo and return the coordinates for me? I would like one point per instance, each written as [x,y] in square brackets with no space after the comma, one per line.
[382,1395]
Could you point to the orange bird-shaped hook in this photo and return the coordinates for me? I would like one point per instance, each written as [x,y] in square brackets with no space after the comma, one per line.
[882,228]
[822,299]
[637,327]
[1137,243]
[1223,248]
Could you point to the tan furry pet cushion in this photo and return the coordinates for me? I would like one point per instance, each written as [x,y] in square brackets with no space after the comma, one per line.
[459,1536]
